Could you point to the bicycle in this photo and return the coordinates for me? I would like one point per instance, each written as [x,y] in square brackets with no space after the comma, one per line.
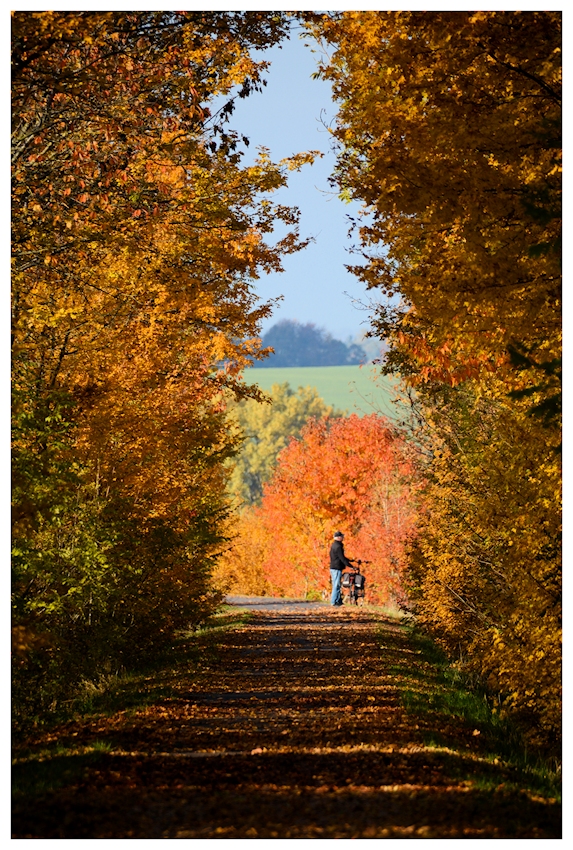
[353,584]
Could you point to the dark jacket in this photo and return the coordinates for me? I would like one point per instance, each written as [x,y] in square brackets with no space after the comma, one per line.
[338,560]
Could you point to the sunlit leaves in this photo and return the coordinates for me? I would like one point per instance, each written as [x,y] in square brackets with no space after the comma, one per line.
[267,428]
[137,235]
[351,473]
[449,134]
[449,130]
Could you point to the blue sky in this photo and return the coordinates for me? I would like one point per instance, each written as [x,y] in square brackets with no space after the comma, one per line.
[287,117]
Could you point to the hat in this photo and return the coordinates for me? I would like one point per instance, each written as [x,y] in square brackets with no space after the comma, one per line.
[338,534]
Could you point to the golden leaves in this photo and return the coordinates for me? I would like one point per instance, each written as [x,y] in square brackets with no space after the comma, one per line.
[448,123]
[135,246]
[423,165]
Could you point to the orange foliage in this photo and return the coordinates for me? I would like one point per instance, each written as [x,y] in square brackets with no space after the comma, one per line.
[137,235]
[352,473]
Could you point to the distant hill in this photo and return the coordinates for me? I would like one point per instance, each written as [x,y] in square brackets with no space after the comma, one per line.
[296,344]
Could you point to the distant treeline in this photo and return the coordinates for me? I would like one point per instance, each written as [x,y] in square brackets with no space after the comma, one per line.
[296,344]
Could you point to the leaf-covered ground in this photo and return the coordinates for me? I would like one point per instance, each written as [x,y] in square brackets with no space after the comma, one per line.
[295,728]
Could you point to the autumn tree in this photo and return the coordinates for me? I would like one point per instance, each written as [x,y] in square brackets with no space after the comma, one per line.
[266,428]
[449,124]
[137,235]
[485,574]
[352,473]
[449,133]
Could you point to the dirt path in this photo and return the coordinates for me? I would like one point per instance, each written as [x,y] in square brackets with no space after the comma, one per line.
[296,730]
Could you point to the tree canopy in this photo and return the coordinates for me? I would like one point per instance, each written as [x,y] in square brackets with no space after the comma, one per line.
[266,429]
[449,126]
[448,131]
[137,236]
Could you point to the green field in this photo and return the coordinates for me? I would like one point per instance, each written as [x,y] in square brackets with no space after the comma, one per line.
[354,389]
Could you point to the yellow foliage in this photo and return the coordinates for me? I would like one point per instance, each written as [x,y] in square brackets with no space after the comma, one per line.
[486,569]
[240,568]
[461,181]
[449,126]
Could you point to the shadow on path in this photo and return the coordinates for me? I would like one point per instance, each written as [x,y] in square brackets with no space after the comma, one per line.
[296,730]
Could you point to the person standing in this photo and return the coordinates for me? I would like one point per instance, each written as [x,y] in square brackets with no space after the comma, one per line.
[338,561]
